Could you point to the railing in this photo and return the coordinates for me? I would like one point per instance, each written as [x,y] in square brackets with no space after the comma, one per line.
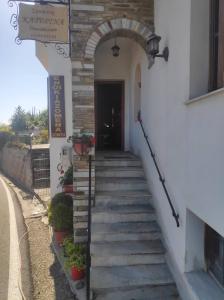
[88,257]
[162,180]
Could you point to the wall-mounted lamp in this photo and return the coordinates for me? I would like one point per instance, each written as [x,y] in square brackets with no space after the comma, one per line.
[153,47]
[115,49]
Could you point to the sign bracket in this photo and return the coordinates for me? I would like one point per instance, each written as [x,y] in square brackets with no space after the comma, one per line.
[60,47]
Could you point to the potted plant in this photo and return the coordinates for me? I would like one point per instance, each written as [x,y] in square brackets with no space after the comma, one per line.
[66,181]
[60,214]
[76,261]
[77,264]
[82,143]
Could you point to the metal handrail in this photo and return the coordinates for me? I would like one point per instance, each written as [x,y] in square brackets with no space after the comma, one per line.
[162,180]
[88,257]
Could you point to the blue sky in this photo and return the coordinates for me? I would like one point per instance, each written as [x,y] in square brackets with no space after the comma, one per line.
[23,80]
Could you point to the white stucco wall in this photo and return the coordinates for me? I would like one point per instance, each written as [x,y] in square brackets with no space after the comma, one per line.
[205,163]
[165,87]
[187,139]
[56,64]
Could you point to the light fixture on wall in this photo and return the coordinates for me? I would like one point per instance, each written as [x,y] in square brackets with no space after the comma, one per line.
[115,49]
[153,47]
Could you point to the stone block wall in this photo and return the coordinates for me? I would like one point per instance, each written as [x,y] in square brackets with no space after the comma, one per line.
[16,163]
[92,22]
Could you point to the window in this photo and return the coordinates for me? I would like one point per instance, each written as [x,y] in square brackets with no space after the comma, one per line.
[216,44]
[214,253]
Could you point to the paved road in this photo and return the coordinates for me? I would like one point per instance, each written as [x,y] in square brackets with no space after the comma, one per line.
[4,243]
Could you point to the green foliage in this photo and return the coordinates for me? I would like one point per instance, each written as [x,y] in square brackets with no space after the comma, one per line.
[42,138]
[62,198]
[16,144]
[78,261]
[5,128]
[18,121]
[72,249]
[23,121]
[68,245]
[76,254]
[37,120]
[61,217]
[4,138]
[43,119]
[68,177]
[60,212]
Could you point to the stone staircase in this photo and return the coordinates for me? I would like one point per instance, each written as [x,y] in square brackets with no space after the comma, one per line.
[127,255]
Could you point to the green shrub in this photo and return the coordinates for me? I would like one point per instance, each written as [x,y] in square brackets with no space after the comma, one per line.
[62,198]
[60,212]
[4,138]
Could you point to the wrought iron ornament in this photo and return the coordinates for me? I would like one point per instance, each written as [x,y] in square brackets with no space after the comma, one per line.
[61,48]
[14,19]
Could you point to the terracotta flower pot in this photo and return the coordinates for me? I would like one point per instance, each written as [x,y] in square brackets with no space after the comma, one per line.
[60,236]
[77,274]
[68,188]
[81,148]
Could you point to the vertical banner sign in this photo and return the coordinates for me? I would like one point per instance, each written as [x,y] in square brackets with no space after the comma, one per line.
[57,106]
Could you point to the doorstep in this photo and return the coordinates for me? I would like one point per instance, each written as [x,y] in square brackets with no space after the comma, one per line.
[78,288]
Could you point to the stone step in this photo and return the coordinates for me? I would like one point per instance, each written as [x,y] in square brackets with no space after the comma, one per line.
[103,278]
[127,260]
[127,253]
[120,214]
[165,292]
[125,231]
[118,163]
[119,172]
[113,198]
[114,154]
[120,184]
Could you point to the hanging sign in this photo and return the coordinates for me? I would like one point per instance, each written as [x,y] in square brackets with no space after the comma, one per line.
[57,106]
[43,23]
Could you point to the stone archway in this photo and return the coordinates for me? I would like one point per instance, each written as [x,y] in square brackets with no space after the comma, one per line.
[121,27]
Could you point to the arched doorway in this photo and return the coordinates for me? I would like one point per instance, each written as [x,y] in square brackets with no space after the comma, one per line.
[115,91]
[111,86]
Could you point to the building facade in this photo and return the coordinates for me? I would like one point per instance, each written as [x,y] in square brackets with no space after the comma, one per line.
[181,104]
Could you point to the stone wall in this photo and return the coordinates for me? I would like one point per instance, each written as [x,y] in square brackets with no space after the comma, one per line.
[16,163]
[92,23]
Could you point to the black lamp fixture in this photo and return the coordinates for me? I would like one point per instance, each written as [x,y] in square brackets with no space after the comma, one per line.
[153,47]
[115,49]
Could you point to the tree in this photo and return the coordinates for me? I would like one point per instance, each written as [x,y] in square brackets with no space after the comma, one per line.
[4,127]
[43,119]
[37,120]
[18,121]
